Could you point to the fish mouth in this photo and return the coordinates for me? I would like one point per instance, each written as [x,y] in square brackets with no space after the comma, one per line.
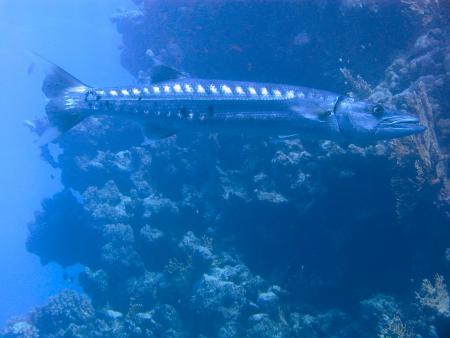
[400,126]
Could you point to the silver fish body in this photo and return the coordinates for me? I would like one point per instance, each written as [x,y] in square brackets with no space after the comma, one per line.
[183,104]
[214,106]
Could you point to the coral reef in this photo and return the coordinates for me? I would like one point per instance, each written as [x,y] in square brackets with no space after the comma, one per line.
[435,296]
[67,315]
[418,81]
[219,236]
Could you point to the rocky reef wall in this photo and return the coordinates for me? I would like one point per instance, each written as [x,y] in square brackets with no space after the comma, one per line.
[216,236]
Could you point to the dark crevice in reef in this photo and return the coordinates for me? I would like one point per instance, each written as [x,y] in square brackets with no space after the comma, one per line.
[216,236]
[295,43]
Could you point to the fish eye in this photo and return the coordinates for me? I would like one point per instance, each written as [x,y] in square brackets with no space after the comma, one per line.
[378,110]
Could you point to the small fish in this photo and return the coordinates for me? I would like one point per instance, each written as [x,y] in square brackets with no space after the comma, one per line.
[237,48]
[176,102]
[30,68]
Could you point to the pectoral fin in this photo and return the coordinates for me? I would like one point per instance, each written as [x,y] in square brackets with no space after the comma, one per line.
[287,137]
[280,138]
[312,112]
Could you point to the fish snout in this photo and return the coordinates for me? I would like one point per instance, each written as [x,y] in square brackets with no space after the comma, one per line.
[400,125]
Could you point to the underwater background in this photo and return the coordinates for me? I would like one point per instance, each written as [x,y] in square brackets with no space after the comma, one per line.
[217,236]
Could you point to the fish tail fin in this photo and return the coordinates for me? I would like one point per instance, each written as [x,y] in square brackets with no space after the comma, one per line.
[64,92]
[57,81]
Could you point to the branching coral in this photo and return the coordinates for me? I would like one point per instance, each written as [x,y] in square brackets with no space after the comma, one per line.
[395,327]
[428,10]
[357,82]
[427,159]
[435,295]
[433,161]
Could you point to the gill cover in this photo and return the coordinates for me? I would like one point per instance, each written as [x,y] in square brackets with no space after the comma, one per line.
[352,118]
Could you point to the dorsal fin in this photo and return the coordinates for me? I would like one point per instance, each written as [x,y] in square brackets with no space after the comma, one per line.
[164,73]
[161,72]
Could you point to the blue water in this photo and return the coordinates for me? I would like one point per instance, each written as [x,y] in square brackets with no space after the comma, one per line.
[79,36]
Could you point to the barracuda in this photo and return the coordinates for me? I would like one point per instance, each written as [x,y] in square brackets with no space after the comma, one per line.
[176,103]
